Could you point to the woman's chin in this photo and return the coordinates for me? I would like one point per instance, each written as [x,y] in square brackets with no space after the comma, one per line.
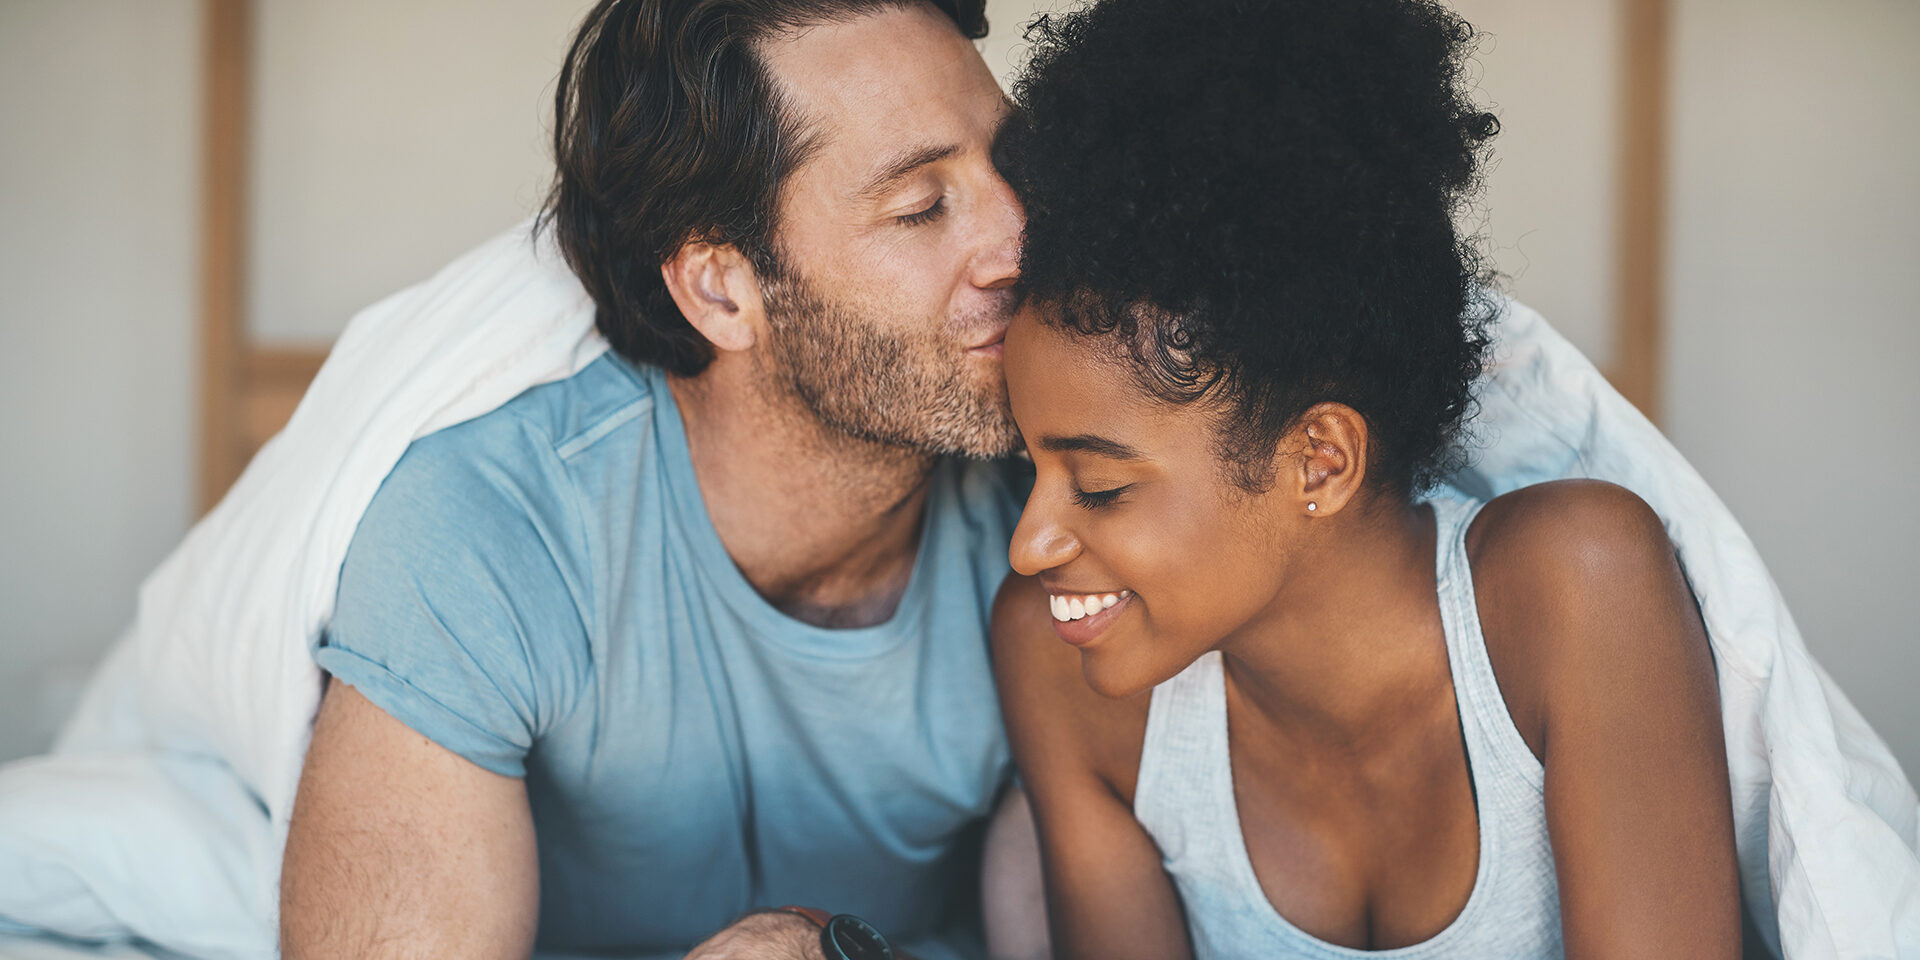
[1113,677]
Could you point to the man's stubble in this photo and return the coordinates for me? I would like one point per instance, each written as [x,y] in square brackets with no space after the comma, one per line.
[909,387]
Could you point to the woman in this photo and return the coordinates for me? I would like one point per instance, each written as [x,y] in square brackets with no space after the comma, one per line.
[1269,697]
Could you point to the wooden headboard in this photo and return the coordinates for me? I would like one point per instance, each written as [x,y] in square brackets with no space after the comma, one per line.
[247,391]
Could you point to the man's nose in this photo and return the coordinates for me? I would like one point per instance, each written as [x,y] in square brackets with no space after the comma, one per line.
[1040,544]
[996,263]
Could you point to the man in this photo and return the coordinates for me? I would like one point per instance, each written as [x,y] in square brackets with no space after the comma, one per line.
[700,629]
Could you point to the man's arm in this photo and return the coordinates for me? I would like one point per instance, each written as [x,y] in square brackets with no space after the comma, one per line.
[402,848]
[399,847]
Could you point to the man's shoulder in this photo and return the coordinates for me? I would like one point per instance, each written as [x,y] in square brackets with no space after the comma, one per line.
[478,543]
[561,419]
[505,479]
[466,602]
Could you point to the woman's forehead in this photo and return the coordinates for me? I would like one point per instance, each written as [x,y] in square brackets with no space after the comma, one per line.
[1064,382]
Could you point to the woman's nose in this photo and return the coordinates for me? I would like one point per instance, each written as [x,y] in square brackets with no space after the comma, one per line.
[1040,543]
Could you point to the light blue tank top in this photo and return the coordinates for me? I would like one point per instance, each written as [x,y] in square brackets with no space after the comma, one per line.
[1184,798]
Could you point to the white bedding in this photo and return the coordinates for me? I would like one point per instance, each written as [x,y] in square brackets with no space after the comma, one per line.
[194,729]
[44,948]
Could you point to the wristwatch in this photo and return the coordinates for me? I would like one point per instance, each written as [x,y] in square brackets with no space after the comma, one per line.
[844,936]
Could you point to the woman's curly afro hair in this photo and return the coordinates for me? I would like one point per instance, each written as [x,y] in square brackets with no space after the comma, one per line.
[1257,197]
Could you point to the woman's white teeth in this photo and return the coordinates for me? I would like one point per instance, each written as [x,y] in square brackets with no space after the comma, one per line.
[1085,605]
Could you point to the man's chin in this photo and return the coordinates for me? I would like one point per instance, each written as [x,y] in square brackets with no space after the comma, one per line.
[997,449]
[990,433]
[975,432]
[983,431]
[982,427]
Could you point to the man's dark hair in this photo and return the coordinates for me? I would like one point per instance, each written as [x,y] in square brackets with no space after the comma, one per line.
[1257,198]
[668,130]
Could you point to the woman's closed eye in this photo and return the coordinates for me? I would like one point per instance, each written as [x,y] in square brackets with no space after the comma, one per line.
[1095,499]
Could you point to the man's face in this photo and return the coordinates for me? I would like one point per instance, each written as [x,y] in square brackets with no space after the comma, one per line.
[899,240]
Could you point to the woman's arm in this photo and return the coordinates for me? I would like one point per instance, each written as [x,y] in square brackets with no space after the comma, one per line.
[1601,652]
[1107,896]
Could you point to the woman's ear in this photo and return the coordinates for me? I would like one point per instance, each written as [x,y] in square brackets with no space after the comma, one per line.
[1330,457]
[718,292]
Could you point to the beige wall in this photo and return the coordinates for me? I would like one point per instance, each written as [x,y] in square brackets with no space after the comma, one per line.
[1794,370]
[1549,71]
[97,177]
[395,135]
[390,138]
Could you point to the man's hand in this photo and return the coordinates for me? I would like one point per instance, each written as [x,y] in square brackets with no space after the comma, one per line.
[765,935]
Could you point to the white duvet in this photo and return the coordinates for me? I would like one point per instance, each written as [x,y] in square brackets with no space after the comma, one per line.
[161,813]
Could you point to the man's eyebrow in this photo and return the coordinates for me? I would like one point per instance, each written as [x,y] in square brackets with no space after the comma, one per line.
[903,164]
[1091,443]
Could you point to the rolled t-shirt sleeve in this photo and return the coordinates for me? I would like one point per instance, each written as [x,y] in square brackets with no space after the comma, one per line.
[460,608]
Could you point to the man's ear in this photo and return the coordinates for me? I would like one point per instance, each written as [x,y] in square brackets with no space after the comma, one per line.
[1329,461]
[718,292]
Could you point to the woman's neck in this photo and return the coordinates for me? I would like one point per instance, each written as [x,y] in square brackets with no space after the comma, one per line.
[1354,640]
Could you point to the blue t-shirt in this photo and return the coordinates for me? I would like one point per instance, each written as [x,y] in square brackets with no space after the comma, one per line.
[540,590]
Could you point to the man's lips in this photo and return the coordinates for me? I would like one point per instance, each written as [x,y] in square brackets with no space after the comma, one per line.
[991,345]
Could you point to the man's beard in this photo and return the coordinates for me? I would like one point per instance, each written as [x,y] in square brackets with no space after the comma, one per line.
[909,389]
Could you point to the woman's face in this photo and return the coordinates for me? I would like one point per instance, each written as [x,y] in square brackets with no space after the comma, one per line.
[1131,502]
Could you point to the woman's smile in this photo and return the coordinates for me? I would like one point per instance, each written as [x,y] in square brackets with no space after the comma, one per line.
[1080,617]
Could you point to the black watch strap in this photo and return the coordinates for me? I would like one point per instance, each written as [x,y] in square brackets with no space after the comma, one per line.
[844,936]
[847,937]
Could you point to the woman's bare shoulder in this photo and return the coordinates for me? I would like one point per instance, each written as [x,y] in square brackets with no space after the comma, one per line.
[1569,544]
[1578,585]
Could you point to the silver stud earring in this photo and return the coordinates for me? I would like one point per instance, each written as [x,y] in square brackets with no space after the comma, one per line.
[1311,506]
